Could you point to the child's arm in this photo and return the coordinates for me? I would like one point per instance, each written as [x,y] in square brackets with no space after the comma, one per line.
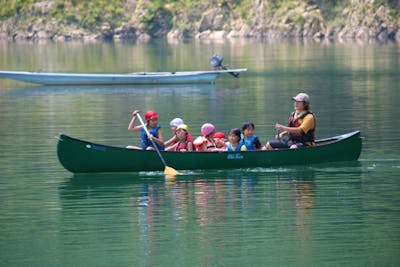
[257,143]
[189,146]
[171,148]
[131,126]
[160,139]
[171,141]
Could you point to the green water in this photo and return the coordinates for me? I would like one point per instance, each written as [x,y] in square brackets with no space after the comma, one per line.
[322,215]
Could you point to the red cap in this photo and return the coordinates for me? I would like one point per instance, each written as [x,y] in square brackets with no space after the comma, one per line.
[219,135]
[150,115]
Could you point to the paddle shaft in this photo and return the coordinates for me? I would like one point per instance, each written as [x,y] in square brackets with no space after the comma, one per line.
[152,141]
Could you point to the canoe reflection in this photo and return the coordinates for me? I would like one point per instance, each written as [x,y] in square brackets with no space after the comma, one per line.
[232,202]
[211,195]
[196,208]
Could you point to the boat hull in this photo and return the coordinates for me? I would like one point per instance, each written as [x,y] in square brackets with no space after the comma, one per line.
[51,78]
[79,156]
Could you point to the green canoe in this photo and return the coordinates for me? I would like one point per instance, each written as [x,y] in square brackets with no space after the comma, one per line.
[79,156]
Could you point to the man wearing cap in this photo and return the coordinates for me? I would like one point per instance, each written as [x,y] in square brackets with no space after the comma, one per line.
[300,129]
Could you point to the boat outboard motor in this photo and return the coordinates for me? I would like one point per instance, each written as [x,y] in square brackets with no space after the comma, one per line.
[216,63]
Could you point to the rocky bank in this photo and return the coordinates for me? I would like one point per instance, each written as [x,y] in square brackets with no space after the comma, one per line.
[358,19]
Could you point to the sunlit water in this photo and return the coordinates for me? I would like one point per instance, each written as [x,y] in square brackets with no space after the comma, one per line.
[322,215]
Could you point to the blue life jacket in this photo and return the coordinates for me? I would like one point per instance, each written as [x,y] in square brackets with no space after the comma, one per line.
[249,143]
[146,142]
[237,148]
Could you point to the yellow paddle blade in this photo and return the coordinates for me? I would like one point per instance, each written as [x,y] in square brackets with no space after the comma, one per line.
[170,171]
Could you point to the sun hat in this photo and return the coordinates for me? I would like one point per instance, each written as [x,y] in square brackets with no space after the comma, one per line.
[150,115]
[220,135]
[176,122]
[183,127]
[207,129]
[301,97]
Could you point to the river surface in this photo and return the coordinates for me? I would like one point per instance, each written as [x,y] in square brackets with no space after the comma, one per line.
[325,215]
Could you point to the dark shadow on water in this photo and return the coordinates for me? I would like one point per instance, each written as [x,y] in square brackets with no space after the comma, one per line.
[113,181]
[98,180]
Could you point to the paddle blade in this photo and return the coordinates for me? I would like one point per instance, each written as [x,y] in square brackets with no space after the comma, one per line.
[170,171]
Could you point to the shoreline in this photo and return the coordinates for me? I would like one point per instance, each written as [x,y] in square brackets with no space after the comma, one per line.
[212,39]
[359,20]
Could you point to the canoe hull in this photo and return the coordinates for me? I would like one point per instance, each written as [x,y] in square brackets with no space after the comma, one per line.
[79,156]
[51,78]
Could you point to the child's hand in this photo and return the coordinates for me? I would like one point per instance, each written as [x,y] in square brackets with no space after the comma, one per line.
[135,112]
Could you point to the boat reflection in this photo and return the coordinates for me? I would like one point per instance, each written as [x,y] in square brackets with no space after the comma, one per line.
[154,212]
[108,89]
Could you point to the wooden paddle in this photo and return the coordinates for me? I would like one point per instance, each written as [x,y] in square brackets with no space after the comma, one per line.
[168,170]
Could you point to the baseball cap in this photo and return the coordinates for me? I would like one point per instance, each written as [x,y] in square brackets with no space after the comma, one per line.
[301,97]
[183,127]
[176,122]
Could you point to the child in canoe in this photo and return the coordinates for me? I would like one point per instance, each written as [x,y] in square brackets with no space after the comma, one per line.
[175,123]
[250,140]
[235,142]
[183,143]
[206,141]
[220,141]
[152,126]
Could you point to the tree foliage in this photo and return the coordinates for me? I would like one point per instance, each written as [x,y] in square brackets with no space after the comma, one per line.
[167,14]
